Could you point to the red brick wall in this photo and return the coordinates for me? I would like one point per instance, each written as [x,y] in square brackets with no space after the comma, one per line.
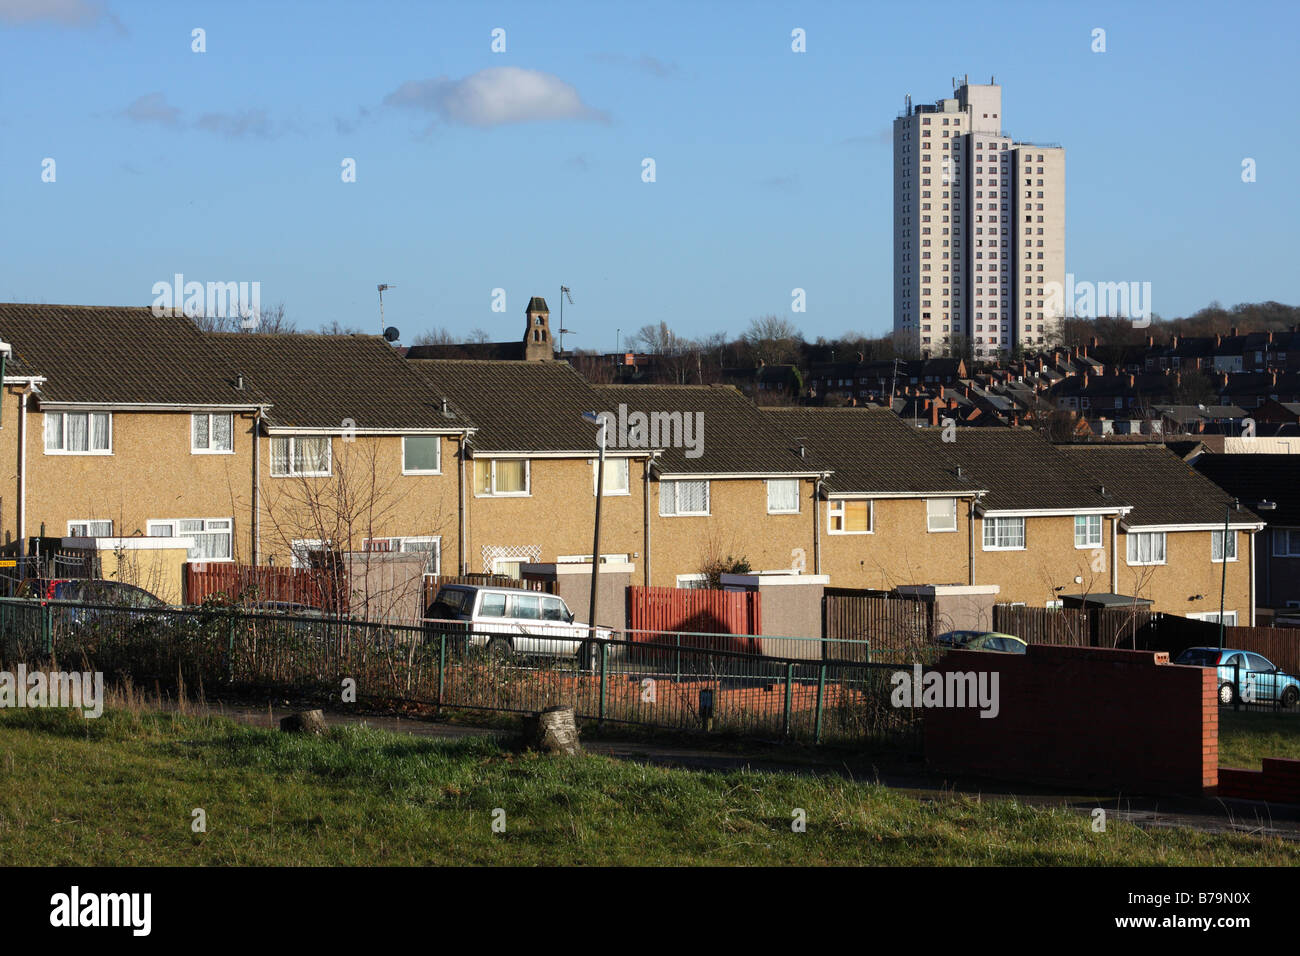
[1278,782]
[1086,718]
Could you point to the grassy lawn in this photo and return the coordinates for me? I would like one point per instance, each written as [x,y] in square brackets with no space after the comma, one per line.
[1246,738]
[120,790]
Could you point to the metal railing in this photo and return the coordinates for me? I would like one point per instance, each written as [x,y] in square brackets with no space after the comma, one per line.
[678,682]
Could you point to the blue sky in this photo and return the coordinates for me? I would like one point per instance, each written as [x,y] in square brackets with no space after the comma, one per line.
[772,167]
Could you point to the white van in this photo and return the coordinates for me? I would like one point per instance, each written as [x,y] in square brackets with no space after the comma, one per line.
[506,620]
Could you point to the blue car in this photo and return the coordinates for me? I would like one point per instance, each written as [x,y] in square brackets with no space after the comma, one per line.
[1257,680]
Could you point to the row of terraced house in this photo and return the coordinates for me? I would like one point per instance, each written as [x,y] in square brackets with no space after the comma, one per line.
[255,448]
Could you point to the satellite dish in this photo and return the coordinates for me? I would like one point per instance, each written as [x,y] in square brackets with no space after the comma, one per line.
[391,334]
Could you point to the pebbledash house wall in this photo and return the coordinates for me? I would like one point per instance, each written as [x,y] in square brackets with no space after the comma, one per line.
[1047,566]
[381,502]
[149,474]
[557,516]
[738,525]
[900,550]
[1189,572]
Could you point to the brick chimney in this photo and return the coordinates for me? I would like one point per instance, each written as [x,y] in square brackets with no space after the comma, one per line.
[1093,342]
[1131,379]
[934,413]
[1173,341]
[1151,341]
[1233,332]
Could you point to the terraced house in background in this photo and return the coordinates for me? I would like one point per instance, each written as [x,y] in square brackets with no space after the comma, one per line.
[142,436]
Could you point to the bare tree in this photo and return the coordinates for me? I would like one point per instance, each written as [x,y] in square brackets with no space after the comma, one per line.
[271,319]
[436,336]
[772,340]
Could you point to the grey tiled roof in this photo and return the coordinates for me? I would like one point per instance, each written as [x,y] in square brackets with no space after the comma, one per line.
[738,438]
[1162,488]
[322,381]
[871,451]
[118,356]
[516,406]
[1022,471]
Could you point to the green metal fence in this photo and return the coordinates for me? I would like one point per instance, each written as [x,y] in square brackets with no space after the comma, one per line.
[665,683]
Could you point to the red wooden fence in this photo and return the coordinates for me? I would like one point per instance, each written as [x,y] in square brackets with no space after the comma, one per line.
[697,611]
[247,584]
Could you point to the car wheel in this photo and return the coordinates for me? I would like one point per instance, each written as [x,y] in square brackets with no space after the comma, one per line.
[1227,695]
[498,649]
[1290,696]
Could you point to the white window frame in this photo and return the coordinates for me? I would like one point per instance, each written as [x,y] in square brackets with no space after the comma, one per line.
[397,545]
[63,433]
[671,486]
[586,559]
[1229,619]
[196,450]
[692,581]
[1278,534]
[151,529]
[994,524]
[299,547]
[930,516]
[835,509]
[292,440]
[797,496]
[1088,541]
[88,522]
[437,441]
[497,562]
[1130,547]
[627,476]
[492,474]
[1231,539]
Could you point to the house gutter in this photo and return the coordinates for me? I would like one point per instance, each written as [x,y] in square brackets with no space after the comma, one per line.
[645,514]
[817,525]
[1251,538]
[257,485]
[1114,555]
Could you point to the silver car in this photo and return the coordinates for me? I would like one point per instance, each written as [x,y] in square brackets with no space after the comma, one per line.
[506,620]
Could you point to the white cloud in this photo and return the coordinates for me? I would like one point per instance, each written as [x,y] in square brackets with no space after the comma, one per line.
[68,13]
[152,108]
[253,123]
[494,97]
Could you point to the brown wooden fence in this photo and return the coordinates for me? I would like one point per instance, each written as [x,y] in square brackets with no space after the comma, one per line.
[889,626]
[1075,627]
[1281,645]
[696,611]
[249,584]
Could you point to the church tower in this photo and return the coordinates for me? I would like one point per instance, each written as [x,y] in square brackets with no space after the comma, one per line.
[537,333]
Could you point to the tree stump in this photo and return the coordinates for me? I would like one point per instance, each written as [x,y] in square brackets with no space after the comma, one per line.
[553,731]
[304,722]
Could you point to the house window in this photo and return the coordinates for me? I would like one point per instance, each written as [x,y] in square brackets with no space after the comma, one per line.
[683,498]
[586,559]
[1087,531]
[429,545]
[78,433]
[1229,617]
[1004,534]
[1216,546]
[421,454]
[212,434]
[1286,543]
[500,477]
[851,516]
[301,550]
[90,529]
[940,514]
[694,582]
[212,536]
[783,496]
[509,567]
[616,476]
[306,455]
[1146,547]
